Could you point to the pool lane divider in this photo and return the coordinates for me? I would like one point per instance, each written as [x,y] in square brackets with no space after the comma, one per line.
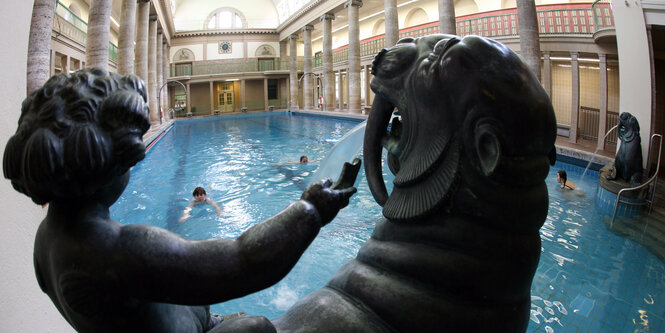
[154,139]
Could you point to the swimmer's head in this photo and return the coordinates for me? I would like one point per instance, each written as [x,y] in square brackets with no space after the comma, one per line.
[199,193]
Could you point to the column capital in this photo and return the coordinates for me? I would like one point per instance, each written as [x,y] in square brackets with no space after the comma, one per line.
[159,30]
[574,55]
[327,16]
[602,56]
[293,37]
[357,3]
[308,27]
[547,54]
[153,17]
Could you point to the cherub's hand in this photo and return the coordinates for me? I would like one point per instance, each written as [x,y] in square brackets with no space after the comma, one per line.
[326,200]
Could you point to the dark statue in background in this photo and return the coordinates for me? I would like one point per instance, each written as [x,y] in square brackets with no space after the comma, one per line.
[456,251]
[77,138]
[628,161]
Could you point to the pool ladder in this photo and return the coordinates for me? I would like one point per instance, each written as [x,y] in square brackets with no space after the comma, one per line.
[650,192]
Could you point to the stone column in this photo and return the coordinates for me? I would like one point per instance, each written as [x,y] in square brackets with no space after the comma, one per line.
[165,75]
[328,74]
[354,55]
[265,93]
[40,58]
[527,22]
[212,98]
[575,96]
[243,97]
[51,72]
[391,23]
[368,100]
[158,73]
[126,37]
[547,73]
[189,99]
[447,17]
[340,91]
[282,56]
[602,119]
[307,71]
[141,55]
[152,70]
[293,72]
[65,64]
[99,28]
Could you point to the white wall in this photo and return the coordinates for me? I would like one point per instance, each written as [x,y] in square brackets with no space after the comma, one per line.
[190,15]
[635,69]
[23,306]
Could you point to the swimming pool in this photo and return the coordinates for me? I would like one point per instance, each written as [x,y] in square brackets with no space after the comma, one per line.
[588,280]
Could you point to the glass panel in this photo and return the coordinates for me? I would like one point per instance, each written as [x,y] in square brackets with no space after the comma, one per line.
[225,19]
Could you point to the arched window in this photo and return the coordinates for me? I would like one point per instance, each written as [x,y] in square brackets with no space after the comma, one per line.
[225,18]
[379,27]
[415,17]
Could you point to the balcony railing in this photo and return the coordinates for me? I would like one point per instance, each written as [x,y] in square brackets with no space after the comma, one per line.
[248,66]
[567,19]
[66,23]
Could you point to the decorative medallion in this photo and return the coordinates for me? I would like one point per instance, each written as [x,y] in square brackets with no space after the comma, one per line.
[224,47]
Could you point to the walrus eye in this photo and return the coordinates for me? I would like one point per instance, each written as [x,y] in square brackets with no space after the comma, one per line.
[393,61]
[443,45]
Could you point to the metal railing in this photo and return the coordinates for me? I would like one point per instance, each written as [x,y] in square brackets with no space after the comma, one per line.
[226,67]
[648,200]
[66,23]
[588,122]
[565,19]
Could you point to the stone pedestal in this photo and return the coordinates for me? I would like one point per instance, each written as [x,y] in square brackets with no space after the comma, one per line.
[607,196]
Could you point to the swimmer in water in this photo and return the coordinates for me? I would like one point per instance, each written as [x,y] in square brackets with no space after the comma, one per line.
[562,179]
[199,198]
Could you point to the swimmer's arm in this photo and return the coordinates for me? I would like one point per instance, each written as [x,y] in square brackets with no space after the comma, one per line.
[186,213]
[217,208]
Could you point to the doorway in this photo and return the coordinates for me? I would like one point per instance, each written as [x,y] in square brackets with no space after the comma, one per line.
[225,101]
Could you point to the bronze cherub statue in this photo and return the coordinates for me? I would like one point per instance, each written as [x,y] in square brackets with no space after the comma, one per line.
[77,139]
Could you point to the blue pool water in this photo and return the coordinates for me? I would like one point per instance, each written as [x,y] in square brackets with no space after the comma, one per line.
[589,279]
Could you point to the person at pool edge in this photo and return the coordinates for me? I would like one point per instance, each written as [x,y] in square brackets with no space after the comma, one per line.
[78,137]
[562,178]
[199,198]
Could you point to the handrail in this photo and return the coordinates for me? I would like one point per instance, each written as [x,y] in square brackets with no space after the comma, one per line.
[653,178]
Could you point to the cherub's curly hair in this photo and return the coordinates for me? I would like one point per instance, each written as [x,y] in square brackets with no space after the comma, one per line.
[76,133]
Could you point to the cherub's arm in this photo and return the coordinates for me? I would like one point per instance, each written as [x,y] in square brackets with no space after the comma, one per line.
[158,265]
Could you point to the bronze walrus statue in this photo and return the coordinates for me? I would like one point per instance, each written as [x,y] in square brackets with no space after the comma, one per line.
[460,242]
[628,161]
